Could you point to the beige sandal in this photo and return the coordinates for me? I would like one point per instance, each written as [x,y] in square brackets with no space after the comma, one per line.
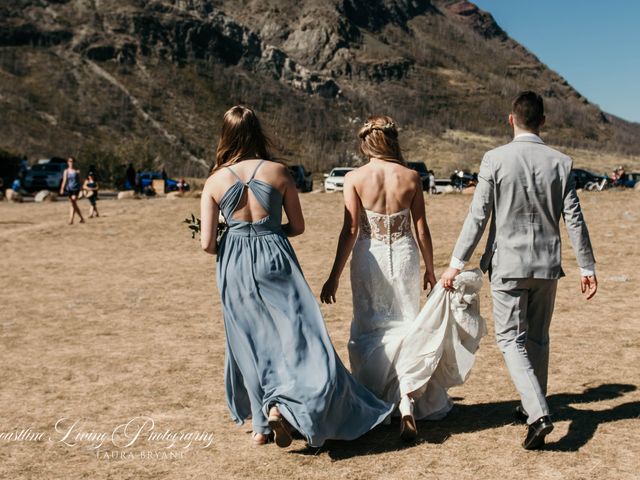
[280,428]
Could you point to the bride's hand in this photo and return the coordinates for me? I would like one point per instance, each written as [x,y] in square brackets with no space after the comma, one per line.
[429,280]
[329,289]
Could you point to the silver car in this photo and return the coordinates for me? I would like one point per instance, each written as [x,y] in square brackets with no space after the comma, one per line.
[334,180]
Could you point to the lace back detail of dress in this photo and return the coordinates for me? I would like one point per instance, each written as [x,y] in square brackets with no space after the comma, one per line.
[384,228]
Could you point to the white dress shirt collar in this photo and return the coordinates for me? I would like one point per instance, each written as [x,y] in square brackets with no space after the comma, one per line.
[528,136]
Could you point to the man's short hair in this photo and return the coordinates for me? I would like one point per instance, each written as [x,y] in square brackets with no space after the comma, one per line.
[528,109]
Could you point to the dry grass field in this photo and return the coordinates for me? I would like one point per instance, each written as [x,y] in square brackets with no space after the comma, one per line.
[120,318]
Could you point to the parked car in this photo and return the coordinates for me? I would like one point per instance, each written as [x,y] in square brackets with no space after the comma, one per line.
[421,168]
[588,180]
[461,179]
[9,169]
[442,184]
[53,160]
[334,180]
[147,178]
[45,175]
[303,178]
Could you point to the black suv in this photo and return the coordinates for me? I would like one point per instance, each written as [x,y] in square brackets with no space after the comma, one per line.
[586,179]
[303,178]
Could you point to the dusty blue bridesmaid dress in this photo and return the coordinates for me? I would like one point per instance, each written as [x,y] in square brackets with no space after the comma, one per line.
[278,350]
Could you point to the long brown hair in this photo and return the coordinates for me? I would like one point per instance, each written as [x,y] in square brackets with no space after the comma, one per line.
[241,136]
[379,139]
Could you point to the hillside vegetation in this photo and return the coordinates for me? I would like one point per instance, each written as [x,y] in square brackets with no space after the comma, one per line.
[148,81]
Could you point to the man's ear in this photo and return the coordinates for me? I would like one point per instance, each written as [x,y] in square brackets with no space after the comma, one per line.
[511,120]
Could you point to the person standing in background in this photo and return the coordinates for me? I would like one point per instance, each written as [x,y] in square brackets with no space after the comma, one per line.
[24,167]
[93,171]
[91,187]
[70,186]
[131,176]
[432,182]
[164,178]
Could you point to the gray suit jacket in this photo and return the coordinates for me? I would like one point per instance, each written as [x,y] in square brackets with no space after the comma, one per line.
[524,187]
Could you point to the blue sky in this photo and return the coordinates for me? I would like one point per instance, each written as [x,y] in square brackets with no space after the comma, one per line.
[594,44]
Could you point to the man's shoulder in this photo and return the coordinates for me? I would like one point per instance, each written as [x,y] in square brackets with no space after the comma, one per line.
[510,148]
[496,152]
[558,154]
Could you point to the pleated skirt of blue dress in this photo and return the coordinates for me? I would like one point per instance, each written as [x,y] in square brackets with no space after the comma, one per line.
[278,350]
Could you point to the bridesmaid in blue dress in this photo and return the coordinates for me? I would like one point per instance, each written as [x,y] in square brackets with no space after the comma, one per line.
[281,369]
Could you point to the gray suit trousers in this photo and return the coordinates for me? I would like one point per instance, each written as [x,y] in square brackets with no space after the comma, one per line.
[522,310]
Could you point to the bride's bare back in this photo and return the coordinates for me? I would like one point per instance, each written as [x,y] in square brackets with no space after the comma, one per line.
[383,186]
[386,187]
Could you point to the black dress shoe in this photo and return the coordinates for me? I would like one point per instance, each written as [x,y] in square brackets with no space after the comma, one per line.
[536,433]
[520,414]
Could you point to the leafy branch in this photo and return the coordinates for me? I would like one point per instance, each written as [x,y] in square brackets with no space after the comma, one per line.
[193,225]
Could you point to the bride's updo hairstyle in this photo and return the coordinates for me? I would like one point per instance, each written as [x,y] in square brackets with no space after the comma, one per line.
[241,137]
[379,139]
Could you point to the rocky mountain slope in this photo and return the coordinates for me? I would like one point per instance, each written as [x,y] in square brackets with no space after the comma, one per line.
[148,81]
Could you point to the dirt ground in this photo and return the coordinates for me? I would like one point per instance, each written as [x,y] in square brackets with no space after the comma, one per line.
[119,319]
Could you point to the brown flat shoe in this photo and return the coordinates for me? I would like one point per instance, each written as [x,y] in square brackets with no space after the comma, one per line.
[280,428]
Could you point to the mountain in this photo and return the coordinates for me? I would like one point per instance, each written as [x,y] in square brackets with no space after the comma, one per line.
[148,81]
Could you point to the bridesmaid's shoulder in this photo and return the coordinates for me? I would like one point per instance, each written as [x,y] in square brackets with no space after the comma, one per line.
[215,176]
[275,172]
[276,166]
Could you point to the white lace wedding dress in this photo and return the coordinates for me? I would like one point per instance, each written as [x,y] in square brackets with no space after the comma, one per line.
[395,347]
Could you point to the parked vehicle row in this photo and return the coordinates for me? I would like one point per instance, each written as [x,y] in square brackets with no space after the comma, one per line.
[334,180]
[588,180]
[146,182]
[47,175]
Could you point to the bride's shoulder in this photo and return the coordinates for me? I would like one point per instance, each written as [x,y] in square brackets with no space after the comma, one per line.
[362,170]
[358,174]
[407,173]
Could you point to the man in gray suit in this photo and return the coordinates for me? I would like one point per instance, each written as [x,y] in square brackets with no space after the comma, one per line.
[525,187]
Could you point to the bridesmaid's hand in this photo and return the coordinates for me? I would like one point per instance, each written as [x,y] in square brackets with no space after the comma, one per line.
[329,289]
[589,286]
[429,280]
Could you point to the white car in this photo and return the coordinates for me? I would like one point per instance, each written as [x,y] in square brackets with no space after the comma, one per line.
[334,180]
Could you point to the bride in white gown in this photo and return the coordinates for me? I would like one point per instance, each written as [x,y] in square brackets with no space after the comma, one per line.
[403,354]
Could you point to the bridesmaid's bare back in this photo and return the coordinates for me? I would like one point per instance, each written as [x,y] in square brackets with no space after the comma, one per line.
[249,209]
[385,187]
